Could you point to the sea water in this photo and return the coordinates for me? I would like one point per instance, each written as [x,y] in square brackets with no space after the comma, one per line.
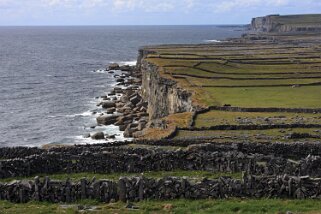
[50,76]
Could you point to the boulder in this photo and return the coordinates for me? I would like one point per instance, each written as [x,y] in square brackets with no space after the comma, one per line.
[129,105]
[86,136]
[143,109]
[128,132]
[108,104]
[112,93]
[107,119]
[118,90]
[141,126]
[113,66]
[111,136]
[120,80]
[127,68]
[122,128]
[120,105]
[135,99]
[98,136]
[124,99]
[129,117]
[142,114]
[111,110]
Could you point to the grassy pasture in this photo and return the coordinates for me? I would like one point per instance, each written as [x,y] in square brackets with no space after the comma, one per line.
[255,75]
[282,97]
[196,175]
[270,135]
[181,206]
[213,118]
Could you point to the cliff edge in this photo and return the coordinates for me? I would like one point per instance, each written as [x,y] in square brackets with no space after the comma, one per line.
[290,23]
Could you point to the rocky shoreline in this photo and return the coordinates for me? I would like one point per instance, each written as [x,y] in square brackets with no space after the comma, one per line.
[123,106]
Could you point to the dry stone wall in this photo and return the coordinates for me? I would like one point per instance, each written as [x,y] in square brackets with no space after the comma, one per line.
[269,170]
[140,160]
[140,188]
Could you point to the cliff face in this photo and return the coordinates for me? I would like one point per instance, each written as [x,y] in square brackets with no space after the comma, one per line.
[164,96]
[293,23]
[263,24]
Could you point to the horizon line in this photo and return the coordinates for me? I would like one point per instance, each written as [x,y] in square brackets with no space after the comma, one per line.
[123,25]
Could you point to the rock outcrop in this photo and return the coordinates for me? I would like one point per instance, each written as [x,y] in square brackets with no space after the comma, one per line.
[164,96]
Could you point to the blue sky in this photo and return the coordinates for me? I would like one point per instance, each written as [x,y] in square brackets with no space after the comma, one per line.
[146,12]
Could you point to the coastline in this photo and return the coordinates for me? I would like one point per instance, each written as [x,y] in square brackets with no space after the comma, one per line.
[257,137]
[121,108]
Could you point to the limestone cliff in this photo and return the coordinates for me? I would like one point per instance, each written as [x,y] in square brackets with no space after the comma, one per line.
[164,96]
[292,23]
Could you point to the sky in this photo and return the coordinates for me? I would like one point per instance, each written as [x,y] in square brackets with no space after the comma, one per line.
[146,12]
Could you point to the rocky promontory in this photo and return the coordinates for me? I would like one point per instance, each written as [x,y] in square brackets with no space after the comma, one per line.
[290,23]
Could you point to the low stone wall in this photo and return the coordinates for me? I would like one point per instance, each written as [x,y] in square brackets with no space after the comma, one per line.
[287,150]
[242,109]
[109,160]
[140,188]
[253,127]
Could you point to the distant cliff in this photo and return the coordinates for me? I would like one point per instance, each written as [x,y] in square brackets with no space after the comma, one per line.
[291,23]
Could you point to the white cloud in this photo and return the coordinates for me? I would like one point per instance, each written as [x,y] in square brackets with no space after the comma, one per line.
[126,4]
[5,3]
[228,5]
[189,3]
[145,5]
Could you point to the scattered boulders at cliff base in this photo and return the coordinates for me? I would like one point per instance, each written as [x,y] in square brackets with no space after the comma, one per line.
[124,104]
[116,66]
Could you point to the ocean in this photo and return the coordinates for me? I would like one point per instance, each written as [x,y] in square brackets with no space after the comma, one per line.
[50,76]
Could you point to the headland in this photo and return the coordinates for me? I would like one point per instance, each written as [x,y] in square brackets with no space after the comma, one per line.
[236,119]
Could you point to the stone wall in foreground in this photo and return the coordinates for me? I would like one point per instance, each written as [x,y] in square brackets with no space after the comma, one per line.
[140,188]
[295,150]
[138,160]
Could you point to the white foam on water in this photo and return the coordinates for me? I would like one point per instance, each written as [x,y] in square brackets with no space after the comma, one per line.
[81,140]
[131,63]
[84,114]
[100,71]
[108,130]
[213,41]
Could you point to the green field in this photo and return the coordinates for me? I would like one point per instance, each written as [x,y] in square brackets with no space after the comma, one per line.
[257,136]
[251,75]
[248,75]
[281,97]
[195,175]
[298,19]
[213,118]
[227,206]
